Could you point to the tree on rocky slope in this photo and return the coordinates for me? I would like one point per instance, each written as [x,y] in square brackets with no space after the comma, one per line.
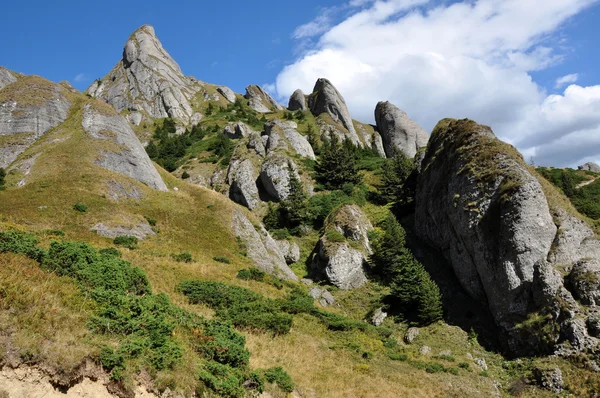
[395,186]
[337,164]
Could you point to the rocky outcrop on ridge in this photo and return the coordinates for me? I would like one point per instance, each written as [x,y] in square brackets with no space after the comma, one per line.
[260,100]
[261,247]
[227,93]
[237,130]
[129,156]
[297,101]
[242,176]
[275,175]
[6,77]
[590,166]
[398,131]
[341,253]
[325,98]
[147,80]
[283,135]
[479,205]
[29,108]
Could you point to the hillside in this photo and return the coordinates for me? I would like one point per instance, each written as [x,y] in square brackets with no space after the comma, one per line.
[165,237]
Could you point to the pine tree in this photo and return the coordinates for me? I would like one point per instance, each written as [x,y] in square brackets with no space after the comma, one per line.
[295,206]
[337,164]
[568,184]
[2,177]
[394,186]
[430,300]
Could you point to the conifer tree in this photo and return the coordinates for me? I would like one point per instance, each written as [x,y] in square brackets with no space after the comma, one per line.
[2,176]
[337,164]
[394,185]
[295,206]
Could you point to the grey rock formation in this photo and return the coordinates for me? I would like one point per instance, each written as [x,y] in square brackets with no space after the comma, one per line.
[277,130]
[141,230]
[297,101]
[339,261]
[260,100]
[132,159]
[486,214]
[117,191]
[574,240]
[261,247]
[481,363]
[373,141]
[593,323]
[275,175]
[325,298]
[327,99]
[549,379]
[398,131]
[584,281]
[590,166]
[255,142]
[147,79]
[289,250]
[424,350]
[411,334]
[378,317]
[227,93]
[28,110]
[6,77]
[242,176]
[237,130]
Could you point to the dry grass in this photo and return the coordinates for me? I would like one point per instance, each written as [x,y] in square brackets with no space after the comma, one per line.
[31,91]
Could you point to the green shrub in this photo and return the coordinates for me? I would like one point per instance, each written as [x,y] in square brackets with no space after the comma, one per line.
[54,232]
[223,344]
[151,221]
[434,367]
[185,175]
[397,356]
[251,274]
[280,234]
[14,241]
[110,251]
[448,358]
[182,257]
[2,177]
[464,365]
[280,377]
[127,241]
[334,236]
[80,207]
[223,379]
[221,259]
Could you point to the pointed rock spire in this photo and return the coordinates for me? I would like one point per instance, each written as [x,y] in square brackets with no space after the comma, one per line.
[398,131]
[260,100]
[297,101]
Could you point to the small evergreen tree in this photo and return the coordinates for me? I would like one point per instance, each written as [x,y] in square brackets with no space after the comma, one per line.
[337,164]
[2,177]
[430,300]
[394,185]
[568,184]
[295,206]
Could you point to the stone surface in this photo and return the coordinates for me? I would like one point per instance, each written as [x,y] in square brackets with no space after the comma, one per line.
[593,323]
[147,79]
[327,99]
[289,250]
[28,110]
[132,159]
[276,130]
[297,101]
[140,230]
[487,215]
[242,176]
[590,166]
[378,317]
[411,334]
[327,298]
[255,142]
[340,261]
[6,77]
[549,379]
[227,93]
[275,175]
[584,281]
[481,363]
[260,100]
[424,350]
[398,131]
[261,247]
[237,130]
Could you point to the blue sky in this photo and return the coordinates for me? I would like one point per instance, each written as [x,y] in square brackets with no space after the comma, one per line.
[529,70]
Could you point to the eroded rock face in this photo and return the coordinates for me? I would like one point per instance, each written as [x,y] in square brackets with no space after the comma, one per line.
[131,158]
[242,176]
[398,131]
[6,77]
[147,79]
[341,262]
[590,166]
[227,93]
[29,108]
[327,99]
[275,175]
[261,247]
[297,101]
[283,135]
[584,281]
[260,100]
[237,130]
[478,204]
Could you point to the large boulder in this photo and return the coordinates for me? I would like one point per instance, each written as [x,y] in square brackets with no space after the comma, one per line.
[261,247]
[584,281]
[237,130]
[590,166]
[478,204]
[341,253]
[283,135]
[275,175]
[260,100]
[147,79]
[242,176]
[227,93]
[29,108]
[398,131]
[325,98]
[130,158]
[297,101]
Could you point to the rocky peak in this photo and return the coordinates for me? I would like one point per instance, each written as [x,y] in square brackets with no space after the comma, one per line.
[398,131]
[147,80]
[590,166]
[297,101]
[325,98]
[260,100]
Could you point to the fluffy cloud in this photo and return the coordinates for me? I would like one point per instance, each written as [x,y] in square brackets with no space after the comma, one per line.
[466,59]
[565,80]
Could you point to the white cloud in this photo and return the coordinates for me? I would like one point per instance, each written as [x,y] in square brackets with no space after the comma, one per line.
[80,77]
[466,59]
[565,80]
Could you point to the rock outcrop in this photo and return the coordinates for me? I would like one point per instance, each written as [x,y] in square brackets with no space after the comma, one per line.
[6,77]
[260,100]
[341,254]
[227,93]
[297,101]
[128,155]
[479,205]
[398,131]
[29,108]
[275,175]
[147,80]
[325,98]
[237,130]
[261,247]
[242,176]
[283,135]
[289,250]
[590,166]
